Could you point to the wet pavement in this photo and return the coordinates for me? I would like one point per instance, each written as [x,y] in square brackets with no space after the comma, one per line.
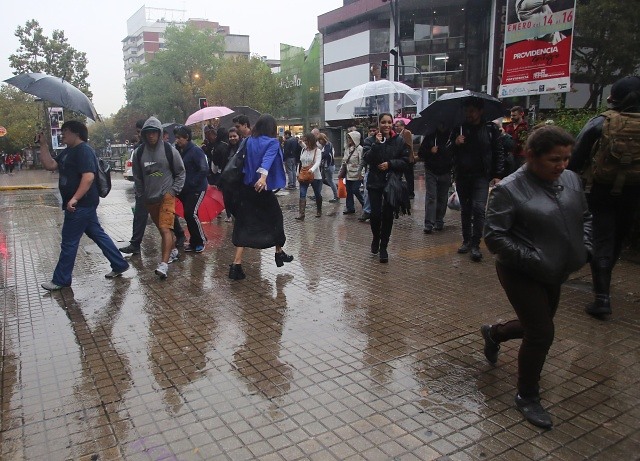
[331,357]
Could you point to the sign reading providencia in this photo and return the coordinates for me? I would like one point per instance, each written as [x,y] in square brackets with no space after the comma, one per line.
[537,52]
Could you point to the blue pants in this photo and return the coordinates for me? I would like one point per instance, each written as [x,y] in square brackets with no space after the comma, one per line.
[83,221]
[316,185]
[290,164]
[327,178]
[353,190]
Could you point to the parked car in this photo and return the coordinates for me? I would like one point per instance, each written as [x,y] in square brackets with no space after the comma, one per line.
[128,168]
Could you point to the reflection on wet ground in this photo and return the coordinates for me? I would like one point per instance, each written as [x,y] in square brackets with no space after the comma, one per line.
[333,356]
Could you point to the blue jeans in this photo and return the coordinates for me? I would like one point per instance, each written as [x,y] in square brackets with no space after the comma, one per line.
[366,208]
[473,193]
[316,185]
[83,221]
[353,190]
[290,164]
[327,178]
[435,201]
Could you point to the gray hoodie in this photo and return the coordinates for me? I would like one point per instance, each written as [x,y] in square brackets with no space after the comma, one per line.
[155,178]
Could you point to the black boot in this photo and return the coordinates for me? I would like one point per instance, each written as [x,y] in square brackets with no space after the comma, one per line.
[601,307]
[236,272]
[282,257]
[318,207]
[601,278]
[384,256]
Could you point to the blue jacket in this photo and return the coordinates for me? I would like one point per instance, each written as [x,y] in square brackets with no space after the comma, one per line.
[265,153]
[196,167]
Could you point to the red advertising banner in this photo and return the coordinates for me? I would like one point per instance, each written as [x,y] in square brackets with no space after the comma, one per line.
[537,52]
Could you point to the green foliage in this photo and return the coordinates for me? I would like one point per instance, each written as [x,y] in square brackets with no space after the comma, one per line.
[101,134]
[124,124]
[21,116]
[53,56]
[606,44]
[571,120]
[245,82]
[170,84]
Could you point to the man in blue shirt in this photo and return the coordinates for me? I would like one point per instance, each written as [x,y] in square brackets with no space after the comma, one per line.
[78,165]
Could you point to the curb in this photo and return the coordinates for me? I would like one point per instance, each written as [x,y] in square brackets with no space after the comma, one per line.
[5,188]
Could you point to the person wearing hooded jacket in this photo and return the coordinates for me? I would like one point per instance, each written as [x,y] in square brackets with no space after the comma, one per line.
[158,183]
[613,214]
[388,154]
[351,171]
[195,186]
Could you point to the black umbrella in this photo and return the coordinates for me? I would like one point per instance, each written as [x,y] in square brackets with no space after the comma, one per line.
[448,110]
[55,90]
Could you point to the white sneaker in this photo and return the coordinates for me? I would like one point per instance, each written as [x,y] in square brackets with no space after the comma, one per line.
[162,270]
[174,255]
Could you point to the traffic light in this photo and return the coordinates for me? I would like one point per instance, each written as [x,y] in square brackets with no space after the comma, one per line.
[384,69]
[203,103]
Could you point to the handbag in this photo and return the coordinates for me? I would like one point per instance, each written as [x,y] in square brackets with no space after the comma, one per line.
[306,176]
[233,174]
[343,169]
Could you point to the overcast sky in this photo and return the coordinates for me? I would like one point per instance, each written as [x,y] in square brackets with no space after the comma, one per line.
[98,27]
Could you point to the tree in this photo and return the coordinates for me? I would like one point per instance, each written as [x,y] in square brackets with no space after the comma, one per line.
[171,83]
[53,56]
[102,134]
[21,116]
[246,82]
[606,42]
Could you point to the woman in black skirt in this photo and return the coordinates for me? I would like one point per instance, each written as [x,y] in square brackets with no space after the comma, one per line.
[258,216]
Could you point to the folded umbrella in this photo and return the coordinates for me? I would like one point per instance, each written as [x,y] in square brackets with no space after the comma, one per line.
[211,206]
[55,90]
[448,110]
[208,113]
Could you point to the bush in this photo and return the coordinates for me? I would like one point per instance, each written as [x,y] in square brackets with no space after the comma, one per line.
[571,120]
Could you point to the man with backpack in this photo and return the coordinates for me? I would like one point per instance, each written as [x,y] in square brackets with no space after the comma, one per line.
[159,178]
[607,153]
[78,167]
[141,215]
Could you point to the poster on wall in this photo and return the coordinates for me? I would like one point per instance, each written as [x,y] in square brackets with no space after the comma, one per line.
[56,119]
[537,52]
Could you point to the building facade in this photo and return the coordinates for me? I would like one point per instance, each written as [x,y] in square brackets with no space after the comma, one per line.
[145,36]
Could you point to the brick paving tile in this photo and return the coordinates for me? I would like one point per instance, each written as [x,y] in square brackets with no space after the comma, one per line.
[330,357]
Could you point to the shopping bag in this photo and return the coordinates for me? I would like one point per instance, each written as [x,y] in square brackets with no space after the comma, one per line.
[342,189]
[454,202]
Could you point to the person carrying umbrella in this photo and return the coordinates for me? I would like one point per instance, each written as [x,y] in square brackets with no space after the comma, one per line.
[78,166]
[195,186]
[478,161]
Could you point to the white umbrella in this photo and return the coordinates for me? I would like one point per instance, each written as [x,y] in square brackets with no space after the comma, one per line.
[378,88]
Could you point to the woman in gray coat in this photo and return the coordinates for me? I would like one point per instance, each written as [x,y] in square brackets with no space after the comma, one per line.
[539,226]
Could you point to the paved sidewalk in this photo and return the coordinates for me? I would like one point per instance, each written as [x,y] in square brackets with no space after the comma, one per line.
[331,357]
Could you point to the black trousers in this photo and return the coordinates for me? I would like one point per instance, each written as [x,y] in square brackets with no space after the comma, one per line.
[535,304]
[191,202]
[613,217]
[410,178]
[381,219]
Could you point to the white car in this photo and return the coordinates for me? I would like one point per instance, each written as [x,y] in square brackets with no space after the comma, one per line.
[128,168]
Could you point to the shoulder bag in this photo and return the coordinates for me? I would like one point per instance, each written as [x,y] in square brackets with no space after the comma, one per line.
[306,176]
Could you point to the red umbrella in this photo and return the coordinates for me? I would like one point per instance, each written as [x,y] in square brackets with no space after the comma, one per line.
[211,206]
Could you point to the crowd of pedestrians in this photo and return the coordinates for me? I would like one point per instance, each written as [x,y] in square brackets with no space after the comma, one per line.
[517,188]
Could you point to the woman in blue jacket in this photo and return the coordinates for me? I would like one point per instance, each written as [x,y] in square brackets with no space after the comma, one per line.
[195,186]
[258,216]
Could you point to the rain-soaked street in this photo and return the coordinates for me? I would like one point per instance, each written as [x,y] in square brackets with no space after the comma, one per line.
[331,357]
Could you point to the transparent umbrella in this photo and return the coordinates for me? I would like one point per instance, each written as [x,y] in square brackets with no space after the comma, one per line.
[377,88]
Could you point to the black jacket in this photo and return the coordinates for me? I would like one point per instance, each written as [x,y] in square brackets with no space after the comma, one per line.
[196,168]
[539,228]
[292,148]
[395,151]
[483,140]
[442,161]
[581,155]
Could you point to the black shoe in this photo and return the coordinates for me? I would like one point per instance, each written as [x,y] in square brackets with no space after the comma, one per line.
[533,412]
[282,258]
[236,272]
[412,196]
[428,229]
[180,241]
[375,246]
[334,200]
[464,248]
[349,212]
[384,256]
[600,308]
[438,227]
[130,249]
[491,347]
[476,255]
[365,216]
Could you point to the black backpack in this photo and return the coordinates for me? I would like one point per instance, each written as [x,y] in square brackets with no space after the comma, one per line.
[103,178]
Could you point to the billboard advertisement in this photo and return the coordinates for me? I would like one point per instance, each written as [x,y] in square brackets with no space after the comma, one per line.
[537,52]
[56,119]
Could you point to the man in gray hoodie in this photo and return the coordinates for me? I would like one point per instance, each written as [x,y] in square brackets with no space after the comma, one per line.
[157,182]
